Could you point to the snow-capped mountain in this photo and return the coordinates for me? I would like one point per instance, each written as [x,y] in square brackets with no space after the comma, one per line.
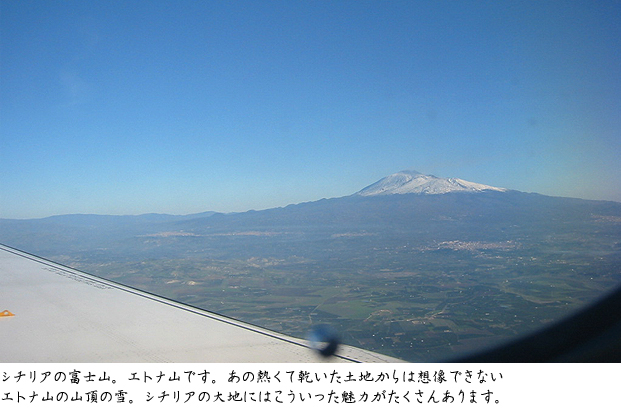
[413,182]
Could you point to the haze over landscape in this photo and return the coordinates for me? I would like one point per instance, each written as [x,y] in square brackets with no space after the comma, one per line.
[413,266]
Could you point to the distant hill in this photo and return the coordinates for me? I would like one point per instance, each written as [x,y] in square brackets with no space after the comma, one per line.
[413,182]
[413,266]
[386,209]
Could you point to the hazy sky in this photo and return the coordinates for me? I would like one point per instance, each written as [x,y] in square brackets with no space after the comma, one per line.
[128,107]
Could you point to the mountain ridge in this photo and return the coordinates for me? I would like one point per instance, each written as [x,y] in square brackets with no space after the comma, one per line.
[403,183]
[456,270]
[414,182]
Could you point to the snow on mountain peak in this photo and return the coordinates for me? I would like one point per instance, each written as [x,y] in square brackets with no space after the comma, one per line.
[413,182]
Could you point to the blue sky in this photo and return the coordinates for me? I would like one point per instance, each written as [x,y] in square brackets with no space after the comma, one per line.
[127,107]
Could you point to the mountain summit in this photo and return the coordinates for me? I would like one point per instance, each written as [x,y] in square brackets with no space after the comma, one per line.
[413,182]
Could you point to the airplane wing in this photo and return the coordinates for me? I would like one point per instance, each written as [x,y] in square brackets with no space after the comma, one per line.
[53,313]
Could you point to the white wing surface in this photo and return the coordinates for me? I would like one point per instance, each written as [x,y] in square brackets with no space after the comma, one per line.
[53,313]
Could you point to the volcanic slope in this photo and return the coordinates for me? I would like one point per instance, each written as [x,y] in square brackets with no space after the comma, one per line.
[414,275]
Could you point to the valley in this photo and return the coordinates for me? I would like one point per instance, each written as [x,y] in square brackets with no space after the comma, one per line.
[418,277]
